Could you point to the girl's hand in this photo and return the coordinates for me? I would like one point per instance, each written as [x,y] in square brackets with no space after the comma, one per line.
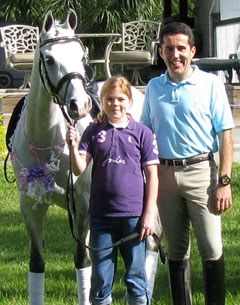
[73,136]
[147,227]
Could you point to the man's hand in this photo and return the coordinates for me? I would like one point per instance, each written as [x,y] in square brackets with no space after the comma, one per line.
[223,199]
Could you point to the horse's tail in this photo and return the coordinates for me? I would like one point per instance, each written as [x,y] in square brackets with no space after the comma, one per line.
[5,169]
[10,130]
[13,122]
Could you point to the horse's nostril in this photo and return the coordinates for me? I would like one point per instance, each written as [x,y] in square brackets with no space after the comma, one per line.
[73,105]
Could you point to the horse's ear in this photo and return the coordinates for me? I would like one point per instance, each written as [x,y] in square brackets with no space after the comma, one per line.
[72,19]
[48,21]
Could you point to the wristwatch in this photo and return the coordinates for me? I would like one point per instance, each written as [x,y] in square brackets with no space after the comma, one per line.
[224,180]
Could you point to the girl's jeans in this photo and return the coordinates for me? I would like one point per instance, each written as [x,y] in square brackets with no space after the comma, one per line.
[105,231]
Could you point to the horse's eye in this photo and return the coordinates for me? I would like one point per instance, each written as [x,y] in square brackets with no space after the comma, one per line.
[49,60]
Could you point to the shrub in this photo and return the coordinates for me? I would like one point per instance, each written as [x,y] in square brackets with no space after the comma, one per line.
[3,148]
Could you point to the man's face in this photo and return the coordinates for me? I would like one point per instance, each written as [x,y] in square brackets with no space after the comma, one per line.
[177,55]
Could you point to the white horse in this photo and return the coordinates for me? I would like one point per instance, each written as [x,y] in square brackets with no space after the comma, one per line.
[40,155]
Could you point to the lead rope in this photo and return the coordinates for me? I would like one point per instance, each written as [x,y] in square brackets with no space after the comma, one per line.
[70,191]
[5,169]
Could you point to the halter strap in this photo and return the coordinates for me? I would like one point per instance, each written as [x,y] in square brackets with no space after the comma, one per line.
[68,77]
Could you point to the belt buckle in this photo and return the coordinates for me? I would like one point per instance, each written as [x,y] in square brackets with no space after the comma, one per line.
[177,163]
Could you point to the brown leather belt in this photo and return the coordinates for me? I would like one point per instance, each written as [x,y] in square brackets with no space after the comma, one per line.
[185,162]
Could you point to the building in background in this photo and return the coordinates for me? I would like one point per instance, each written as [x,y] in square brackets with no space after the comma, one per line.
[216,24]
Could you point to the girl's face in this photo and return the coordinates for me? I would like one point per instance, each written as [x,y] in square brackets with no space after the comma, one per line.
[115,105]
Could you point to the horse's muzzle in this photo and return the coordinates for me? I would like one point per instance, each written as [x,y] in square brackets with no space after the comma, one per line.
[75,112]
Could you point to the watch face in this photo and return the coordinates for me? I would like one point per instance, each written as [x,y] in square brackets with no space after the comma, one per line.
[225,180]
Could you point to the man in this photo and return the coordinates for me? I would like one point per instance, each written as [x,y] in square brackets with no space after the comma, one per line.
[189,112]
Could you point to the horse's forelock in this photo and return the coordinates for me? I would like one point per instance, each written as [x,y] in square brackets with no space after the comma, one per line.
[58,30]
[61,31]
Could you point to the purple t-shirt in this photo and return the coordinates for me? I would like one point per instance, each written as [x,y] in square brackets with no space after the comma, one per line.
[119,155]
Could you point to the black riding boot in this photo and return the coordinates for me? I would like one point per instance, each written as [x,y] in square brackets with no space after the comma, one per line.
[214,282]
[180,282]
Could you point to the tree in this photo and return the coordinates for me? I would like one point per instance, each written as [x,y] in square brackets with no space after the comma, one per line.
[93,15]
[21,11]
[107,15]
[32,12]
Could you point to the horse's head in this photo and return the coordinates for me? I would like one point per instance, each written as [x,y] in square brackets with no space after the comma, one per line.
[62,65]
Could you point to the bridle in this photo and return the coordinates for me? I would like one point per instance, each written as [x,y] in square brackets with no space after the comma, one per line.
[87,79]
[46,81]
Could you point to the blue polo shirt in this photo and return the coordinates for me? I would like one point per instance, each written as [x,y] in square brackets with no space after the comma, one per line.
[119,155]
[187,116]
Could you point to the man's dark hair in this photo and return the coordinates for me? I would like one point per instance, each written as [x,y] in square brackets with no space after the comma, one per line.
[177,28]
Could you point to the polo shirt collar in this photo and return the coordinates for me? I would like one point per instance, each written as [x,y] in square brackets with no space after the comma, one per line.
[192,79]
[131,123]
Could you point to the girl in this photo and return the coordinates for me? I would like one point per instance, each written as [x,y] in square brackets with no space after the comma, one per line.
[123,191]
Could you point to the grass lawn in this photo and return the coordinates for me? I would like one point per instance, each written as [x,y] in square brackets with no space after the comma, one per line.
[59,250]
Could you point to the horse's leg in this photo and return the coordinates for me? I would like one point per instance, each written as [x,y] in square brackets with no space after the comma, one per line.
[83,274]
[33,218]
[151,264]
[82,259]
[152,255]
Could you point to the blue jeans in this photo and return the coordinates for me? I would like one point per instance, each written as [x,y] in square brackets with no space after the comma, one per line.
[105,231]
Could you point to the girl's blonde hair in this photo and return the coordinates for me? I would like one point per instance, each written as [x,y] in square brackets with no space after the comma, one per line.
[113,82]
[116,81]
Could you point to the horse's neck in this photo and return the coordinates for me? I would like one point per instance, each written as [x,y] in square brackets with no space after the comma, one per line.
[43,118]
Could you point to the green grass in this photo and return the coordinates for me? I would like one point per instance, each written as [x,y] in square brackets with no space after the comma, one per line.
[59,250]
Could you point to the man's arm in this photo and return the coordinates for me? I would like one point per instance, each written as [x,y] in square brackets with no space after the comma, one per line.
[223,195]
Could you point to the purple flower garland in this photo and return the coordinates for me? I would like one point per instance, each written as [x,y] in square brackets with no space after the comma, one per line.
[37,181]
